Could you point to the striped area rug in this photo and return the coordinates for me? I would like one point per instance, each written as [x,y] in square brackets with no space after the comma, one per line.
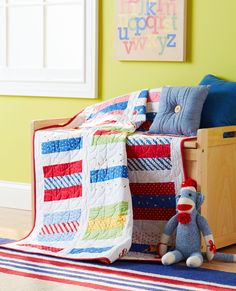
[120,275]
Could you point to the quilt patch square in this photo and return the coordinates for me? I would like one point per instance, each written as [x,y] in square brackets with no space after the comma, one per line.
[90,250]
[61,226]
[106,222]
[63,145]
[106,136]
[107,174]
[42,247]
[62,181]
[153,155]
[153,201]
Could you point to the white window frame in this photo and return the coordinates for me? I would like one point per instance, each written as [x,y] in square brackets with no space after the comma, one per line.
[53,83]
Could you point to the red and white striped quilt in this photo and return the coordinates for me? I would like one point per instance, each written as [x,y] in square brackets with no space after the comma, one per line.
[101,188]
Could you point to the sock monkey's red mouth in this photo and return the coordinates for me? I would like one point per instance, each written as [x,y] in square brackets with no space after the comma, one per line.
[184,207]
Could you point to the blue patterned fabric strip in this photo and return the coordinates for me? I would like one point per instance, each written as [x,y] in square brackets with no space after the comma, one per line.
[140,109]
[62,181]
[90,250]
[149,164]
[63,145]
[110,108]
[108,174]
[143,94]
[63,216]
[150,201]
[56,237]
[148,140]
[150,116]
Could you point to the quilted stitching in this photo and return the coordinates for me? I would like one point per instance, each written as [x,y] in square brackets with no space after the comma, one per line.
[84,206]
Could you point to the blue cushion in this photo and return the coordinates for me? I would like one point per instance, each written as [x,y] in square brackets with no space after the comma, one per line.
[180,110]
[220,106]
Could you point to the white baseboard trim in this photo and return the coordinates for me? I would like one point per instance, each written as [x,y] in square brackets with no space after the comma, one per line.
[15,195]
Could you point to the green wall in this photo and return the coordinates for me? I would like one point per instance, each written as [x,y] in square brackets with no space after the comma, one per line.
[211,48]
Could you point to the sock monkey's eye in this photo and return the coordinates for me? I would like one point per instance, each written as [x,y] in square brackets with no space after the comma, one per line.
[189,194]
[178,196]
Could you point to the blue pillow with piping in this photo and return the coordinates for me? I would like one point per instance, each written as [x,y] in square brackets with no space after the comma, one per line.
[220,106]
[180,110]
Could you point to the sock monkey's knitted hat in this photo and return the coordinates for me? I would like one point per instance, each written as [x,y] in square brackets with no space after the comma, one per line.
[189,184]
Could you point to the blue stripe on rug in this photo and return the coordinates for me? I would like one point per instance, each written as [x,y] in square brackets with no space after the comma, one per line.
[202,274]
[122,282]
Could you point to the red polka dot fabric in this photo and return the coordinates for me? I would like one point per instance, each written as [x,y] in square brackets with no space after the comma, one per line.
[153,213]
[165,188]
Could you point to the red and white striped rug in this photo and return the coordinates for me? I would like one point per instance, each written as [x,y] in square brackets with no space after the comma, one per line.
[120,275]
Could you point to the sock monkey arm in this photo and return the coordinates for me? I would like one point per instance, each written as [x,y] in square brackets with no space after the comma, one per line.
[208,236]
[168,230]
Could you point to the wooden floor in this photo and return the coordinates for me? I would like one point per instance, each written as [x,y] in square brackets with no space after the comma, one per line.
[16,224]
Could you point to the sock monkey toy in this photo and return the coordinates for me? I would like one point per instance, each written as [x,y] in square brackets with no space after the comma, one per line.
[189,225]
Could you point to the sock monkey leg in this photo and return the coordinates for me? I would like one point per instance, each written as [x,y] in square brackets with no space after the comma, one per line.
[195,260]
[172,257]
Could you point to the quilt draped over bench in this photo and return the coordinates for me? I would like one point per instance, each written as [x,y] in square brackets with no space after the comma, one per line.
[102,189]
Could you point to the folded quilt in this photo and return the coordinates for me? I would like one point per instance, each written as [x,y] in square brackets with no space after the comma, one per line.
[83,203]
[156,171]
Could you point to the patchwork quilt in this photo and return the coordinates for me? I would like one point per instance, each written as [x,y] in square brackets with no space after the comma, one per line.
[104,190]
